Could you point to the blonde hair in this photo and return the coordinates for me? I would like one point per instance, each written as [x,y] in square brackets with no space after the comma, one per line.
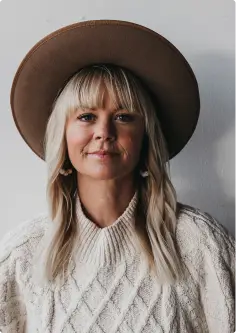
[157,201]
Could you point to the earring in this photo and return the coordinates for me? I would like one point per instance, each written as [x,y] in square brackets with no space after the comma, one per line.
[65,172]
[144,174]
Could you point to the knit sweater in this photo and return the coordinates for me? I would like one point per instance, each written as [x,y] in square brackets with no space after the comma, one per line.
[110,287]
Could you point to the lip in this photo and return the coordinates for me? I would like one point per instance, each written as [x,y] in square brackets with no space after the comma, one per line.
[102,154]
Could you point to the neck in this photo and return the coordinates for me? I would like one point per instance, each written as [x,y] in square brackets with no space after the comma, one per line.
[103,201]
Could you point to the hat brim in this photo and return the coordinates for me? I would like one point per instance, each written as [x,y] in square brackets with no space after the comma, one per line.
[157,62]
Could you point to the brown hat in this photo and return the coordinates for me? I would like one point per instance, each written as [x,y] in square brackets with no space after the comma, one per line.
[161,67]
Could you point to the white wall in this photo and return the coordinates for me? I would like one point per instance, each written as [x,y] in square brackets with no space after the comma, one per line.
[203,30]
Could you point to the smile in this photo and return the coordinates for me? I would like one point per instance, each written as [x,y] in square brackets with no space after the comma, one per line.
[102,155]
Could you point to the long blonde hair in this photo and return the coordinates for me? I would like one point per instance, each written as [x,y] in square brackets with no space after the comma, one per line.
[157,201]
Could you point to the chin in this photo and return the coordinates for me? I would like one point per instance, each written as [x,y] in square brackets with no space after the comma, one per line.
[105,175]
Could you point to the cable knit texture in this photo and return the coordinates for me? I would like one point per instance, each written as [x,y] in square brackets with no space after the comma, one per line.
[110,287]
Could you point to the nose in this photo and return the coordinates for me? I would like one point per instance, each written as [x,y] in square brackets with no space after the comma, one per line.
[105,131]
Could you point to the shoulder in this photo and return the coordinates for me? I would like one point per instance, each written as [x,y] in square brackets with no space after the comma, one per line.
[17,247]
[199,232]
[24,237]
[201,225]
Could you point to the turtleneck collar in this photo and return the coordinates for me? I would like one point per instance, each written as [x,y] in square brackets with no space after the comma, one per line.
[109,245]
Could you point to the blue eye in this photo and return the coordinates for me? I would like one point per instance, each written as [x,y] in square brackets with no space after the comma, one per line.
[90,117]
[125,117]
[85,117]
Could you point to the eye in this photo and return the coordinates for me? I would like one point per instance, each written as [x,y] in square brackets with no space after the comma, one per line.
[125,117]
[86,117]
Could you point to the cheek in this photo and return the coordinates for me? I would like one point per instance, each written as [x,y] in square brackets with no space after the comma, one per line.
[132,143]
[76,138]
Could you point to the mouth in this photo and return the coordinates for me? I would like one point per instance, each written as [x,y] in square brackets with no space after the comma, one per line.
[103,154]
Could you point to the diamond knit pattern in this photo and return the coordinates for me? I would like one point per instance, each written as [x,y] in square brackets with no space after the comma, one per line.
[110,288]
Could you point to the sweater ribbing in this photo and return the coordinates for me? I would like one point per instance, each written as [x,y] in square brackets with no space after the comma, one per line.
[109,245]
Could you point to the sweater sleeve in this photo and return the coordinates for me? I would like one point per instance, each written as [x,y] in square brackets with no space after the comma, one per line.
[218,280]
[208,251]
[211,256]
[12,308]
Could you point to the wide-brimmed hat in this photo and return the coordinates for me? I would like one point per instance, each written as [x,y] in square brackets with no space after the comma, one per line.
[157,62]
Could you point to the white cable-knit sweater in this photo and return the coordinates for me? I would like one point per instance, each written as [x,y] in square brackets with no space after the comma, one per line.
[110,288]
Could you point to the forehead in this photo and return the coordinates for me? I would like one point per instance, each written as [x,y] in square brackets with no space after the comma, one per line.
[109,102]
[106,101]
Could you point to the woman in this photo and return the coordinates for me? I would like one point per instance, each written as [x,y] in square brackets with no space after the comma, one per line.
[117,252]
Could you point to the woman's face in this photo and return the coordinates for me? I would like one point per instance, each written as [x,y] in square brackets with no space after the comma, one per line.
[118,132]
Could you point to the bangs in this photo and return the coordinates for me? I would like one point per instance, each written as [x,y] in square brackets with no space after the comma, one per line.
[90,86]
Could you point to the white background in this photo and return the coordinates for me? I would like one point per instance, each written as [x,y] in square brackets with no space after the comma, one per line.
[203,30]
